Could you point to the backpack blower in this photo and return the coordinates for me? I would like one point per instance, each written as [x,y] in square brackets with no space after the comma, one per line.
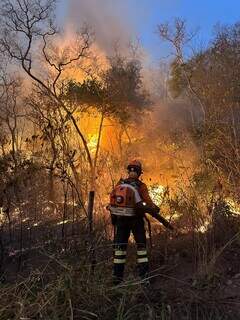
[126,201]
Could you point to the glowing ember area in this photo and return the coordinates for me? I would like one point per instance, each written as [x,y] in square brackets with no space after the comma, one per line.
[119,160]
[92,142]
[172,216]
[233,206]
[36,224]
[2,218]
[63,222]
[156,193]
[204,228]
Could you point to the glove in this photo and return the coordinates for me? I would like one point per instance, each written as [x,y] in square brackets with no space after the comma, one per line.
[155,210]
[142,207]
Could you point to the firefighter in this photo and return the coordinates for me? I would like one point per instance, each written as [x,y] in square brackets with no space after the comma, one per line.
[128,222]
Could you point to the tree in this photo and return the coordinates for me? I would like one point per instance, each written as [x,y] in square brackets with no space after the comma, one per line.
[213,75]
[29,26]
[117,93]
[10,111]
[178,37]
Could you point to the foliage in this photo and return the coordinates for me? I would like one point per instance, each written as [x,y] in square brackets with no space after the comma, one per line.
[63,288]
[48,164]
[210,78]
[119,92]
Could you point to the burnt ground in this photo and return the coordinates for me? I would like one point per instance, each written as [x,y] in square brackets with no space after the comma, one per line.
[187,274]
[189,280]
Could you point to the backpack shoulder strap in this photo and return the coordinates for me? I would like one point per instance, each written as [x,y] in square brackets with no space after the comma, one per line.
[139,183]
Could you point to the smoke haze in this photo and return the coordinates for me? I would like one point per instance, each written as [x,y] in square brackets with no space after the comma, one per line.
[107,18]
[111,22]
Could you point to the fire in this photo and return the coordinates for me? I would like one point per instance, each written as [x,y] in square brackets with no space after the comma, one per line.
[233,206]
[204,227]
[2,216]
[156,193]
[92,142]
[63,222]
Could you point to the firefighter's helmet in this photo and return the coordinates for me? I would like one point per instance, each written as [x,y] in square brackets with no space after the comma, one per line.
[135,165]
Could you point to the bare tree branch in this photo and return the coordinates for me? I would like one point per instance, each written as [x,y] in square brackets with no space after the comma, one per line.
[178,37]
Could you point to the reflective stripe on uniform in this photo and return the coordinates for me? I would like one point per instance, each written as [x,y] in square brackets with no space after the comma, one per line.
[120,252]
[122,211]
[141,260]
[119,261]
[141,252]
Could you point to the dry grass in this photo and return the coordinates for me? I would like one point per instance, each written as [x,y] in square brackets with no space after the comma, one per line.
[64,287]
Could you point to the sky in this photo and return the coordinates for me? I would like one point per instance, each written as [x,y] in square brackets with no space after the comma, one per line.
[128,19]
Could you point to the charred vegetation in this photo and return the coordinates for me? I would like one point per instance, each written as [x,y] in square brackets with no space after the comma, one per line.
[70,120]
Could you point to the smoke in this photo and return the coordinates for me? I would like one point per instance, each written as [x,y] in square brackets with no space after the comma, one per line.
[107,18]
[155,140]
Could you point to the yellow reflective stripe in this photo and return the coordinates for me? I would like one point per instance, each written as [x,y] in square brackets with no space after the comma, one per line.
[141,252]
[141,260]
[119,261]
[120,253]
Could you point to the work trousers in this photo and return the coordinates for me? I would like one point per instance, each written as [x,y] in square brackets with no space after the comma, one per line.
[123,228]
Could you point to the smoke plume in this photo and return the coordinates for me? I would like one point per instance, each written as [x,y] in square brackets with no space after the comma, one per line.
[108,19]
